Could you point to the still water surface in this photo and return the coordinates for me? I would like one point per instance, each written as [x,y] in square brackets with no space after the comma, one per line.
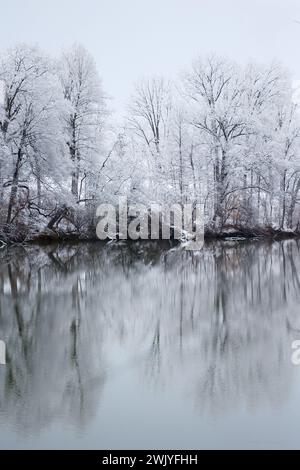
[143,346]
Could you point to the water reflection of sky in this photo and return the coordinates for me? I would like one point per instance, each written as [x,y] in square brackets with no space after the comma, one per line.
[141,346]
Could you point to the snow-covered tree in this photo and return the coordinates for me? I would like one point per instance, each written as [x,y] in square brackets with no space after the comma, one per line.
[85,117]
[29,127]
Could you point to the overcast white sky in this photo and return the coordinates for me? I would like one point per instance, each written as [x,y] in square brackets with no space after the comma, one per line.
[133,38]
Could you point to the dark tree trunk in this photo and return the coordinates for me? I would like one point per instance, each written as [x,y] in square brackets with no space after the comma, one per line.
[14,188]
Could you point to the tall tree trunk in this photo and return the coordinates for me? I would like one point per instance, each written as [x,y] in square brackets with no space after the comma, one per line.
[292,206]
[75,181]
[258,200]
[14,188]
[75,161]
[181,165]
[220,192]
[38,181]
[283,199]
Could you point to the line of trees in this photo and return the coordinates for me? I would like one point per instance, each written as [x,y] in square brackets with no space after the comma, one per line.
[224,135]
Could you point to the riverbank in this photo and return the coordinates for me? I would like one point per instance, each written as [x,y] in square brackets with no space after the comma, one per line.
[228,232]
[248,233]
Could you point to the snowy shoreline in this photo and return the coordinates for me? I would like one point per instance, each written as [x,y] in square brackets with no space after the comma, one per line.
[228,234]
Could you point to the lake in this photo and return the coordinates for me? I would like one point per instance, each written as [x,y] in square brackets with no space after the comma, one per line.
[146,345]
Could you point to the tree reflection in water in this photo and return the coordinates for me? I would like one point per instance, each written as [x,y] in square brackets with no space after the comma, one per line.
[215,325]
